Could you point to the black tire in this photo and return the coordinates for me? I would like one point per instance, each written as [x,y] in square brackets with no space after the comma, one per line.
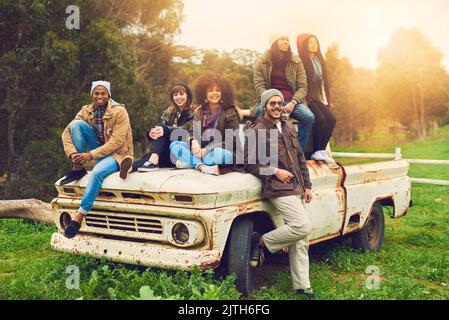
[238,254]
[371,236]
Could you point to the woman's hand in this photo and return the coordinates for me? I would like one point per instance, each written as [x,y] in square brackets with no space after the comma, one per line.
[156,133]
[331,105]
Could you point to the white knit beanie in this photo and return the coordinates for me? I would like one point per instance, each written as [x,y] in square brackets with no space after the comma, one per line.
[102,83]
[276,36]
[268,94]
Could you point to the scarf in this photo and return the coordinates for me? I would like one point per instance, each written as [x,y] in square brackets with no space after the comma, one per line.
[99,111]
[210,121]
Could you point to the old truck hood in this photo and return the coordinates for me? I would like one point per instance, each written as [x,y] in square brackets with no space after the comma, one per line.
[170,187]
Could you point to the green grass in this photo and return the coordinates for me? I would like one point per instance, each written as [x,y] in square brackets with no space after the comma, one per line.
[413,263]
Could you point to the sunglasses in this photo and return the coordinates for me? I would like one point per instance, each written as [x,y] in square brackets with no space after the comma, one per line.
[274,103]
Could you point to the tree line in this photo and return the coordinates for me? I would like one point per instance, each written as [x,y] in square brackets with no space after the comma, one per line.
[46,71]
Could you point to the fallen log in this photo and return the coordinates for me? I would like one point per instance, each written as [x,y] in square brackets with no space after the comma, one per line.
[29,209]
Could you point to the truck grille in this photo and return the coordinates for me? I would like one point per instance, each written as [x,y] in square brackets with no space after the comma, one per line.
[124,222]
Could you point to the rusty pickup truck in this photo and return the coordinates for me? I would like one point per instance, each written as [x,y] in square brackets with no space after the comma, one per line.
[178,219]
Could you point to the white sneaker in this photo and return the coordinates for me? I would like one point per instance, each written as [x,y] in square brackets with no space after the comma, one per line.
[328,160]
[318,156]
[182,165]
[213,170]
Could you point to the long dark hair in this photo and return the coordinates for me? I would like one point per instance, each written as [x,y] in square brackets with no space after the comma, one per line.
[182,88]
[209,79]
[279,57]
[303,51]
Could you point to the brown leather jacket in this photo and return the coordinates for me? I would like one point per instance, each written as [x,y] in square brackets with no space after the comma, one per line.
[289,154]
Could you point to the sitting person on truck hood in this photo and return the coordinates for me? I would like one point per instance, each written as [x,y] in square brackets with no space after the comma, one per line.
[177,115]
[286,184]
[212,120]
[318,96]
[101,131]
[280,69]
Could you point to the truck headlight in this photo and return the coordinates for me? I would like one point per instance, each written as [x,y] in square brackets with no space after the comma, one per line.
[180,233]
[184,233]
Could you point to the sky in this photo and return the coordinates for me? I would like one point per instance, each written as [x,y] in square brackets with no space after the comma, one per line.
[359,27]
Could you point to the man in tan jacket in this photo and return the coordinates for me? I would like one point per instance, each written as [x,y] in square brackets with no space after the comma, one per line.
[101,131]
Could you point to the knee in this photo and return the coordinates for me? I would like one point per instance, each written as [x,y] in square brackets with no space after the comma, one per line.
[309,117]
[302,230]
[78,125]
[331,119]
[175,146]
[166,130]
[223,156]
[320,119]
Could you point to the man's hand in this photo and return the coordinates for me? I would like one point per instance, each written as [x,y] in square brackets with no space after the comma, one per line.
[156,133]
[308,196]
[289,107]
[283,175]
[80,158]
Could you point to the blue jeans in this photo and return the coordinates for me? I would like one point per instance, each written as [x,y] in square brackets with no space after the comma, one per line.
[305,117]
[217,156]
[85,139]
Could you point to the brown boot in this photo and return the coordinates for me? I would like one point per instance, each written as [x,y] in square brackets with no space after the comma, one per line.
[125,167]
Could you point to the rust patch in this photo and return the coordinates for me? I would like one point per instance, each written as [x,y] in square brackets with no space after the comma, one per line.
[210,265]
[247,207]
[326,237]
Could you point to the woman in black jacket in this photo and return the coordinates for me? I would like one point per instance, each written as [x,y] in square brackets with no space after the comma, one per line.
[177,115]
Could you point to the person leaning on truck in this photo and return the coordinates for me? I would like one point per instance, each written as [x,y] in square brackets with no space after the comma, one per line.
[101,131]
[287,186]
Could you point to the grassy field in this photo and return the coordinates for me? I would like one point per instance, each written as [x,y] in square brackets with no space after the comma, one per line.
[413,264]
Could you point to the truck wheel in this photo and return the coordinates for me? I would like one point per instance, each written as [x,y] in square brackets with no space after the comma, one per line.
[371,236]
[239,247]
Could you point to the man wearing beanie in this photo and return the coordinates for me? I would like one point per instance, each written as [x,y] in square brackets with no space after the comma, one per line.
[279,69]
[101,131]
[286,184]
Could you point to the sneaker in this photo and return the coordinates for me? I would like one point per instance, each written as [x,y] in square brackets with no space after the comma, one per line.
[257,257]
[318,156]
[326,156]
[73,175]
[125,167]
[212,170]
[148,166]
[308,293]
[182,165]
[72,229]
[329,161]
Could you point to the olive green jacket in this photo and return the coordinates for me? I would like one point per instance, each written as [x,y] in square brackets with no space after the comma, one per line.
[295,76]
